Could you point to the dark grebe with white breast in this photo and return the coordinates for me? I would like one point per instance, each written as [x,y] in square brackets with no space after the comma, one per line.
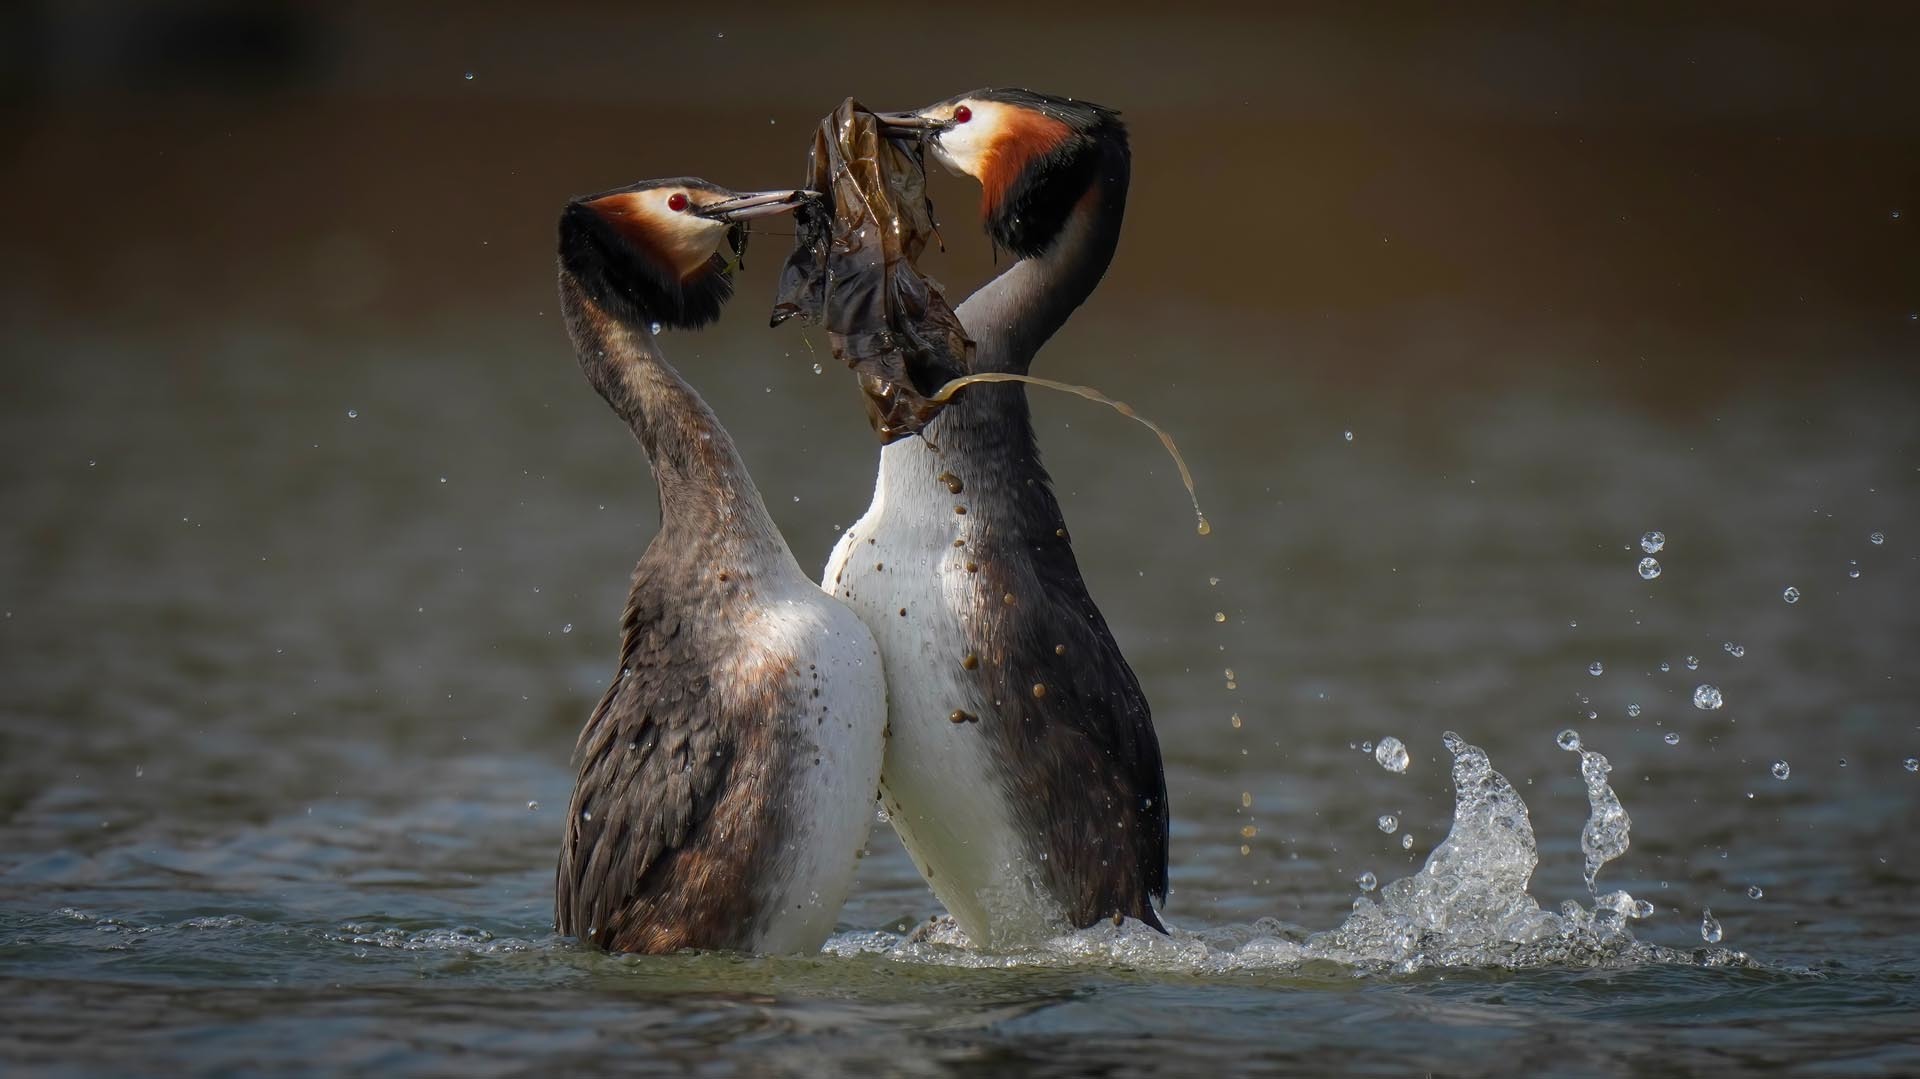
[1022,771]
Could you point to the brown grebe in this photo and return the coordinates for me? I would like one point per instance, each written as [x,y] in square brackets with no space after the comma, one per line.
[725,782]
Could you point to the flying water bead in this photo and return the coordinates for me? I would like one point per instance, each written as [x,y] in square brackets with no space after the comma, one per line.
[1595,668]
[1665,666]
[1693,663]
[1791,595]
[1406,841]
[1877,538]
[1388,823]
[1568,740]
[1349,436]
[1367,882]
[533,806]
[1781,769]
[1649,568]
[1709,926]
[1391,754]
[1734,650]
[1633,709]
[1853,569]
[1754,892]
[1653,541]
[1911,764]
[353,413]
[1671,738]
[1706,697]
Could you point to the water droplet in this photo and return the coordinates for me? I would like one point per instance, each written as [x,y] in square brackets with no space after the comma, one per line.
[1649,568]
[469,76]
[1781,769]
[1568,739]
[1391,754]
[1367,882]
[1367,746]
[1204,528]
[1596,669]
[139,770]
[1911,764]
[1349,436]
[1734,650]
[568,628]
[1653,541]
[1406,841]
[353,413]
[654,328]
[586,814]
[532,806]
[1853,569]
[1693,663]
[1754,892]
[1633,709]
[1665,666]
[1219,616]
[1709,926]
[1620,903]
[1388,823]
[1791,595]
[1670,738]
[1706,697]
[1877,538]
[1642,909]
[818,369]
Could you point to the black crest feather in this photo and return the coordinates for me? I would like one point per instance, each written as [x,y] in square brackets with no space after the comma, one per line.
[1038,202]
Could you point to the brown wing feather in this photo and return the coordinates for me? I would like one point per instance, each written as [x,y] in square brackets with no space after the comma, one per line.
[654,859]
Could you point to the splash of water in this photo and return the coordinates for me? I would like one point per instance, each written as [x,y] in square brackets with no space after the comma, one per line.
[1467,906]
[1605,836]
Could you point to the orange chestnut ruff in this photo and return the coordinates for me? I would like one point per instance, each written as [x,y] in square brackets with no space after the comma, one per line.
[1027,136]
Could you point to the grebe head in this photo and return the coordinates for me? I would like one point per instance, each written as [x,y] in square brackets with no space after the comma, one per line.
[662,250]
[1035,156]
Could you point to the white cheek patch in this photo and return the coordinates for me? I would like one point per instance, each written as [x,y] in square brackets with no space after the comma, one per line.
[687,240]
[963,148]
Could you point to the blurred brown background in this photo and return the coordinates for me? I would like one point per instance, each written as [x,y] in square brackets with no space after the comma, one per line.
[1711,188]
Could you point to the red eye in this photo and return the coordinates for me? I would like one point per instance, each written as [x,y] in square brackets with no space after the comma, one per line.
[677,202]
[962,114]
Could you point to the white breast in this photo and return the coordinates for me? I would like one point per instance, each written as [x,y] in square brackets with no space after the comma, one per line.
[939,784]
[838,738]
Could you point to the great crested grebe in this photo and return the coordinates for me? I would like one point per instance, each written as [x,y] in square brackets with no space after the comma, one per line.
[1022,770]
[725,781]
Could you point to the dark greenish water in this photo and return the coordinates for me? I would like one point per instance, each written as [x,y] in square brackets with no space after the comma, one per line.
[313,542]
[278,695]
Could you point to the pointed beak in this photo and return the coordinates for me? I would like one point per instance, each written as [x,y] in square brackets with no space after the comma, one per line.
[898,125]
[757,204]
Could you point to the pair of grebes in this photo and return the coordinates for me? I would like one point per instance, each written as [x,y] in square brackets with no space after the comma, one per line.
[951,658]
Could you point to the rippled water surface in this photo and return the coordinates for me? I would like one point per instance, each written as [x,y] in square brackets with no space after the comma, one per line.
[311,567]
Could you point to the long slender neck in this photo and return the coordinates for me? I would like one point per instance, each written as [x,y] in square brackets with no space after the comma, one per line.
[1013,315]
[707,499]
